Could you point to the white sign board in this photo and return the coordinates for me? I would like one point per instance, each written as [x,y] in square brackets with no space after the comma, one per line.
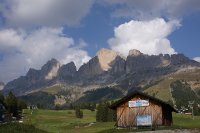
[144,120]
[138,103]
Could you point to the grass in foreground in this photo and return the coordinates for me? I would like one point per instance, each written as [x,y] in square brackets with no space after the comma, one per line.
[65,122]
[19,128]
[186,121]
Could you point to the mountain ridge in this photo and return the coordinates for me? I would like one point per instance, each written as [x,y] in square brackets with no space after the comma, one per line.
[107,68]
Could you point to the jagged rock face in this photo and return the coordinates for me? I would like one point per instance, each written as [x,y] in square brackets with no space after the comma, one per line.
[106,57]
[47,72]
[106,68]
[34,78]
[118,66]
[91,68]
[181,60]
[142,62]
[50,69]
[102,62]
[1,85]
[67,71]
[33,75]
[137,61]
[134,52]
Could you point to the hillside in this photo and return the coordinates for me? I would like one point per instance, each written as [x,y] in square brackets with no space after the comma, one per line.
[178,88]
[161,89]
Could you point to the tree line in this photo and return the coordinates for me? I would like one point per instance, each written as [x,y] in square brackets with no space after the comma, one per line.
[11,106]
[103,112]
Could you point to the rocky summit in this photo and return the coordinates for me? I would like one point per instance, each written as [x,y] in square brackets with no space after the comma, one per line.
[107,68]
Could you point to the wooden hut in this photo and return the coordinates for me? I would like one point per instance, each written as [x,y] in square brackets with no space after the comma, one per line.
[139,109]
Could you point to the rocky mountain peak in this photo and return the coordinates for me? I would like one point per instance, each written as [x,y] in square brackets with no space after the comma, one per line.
[50,69]
[106,57]
[104,51]
[67,71]
[99,64]
[71,65]
[50,64]
[134,52]
[33,74]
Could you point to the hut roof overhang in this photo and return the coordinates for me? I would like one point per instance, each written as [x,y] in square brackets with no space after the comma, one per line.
[134,93]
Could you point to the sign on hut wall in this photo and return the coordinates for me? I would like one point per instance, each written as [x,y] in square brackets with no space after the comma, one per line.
[138,103]
[144,120]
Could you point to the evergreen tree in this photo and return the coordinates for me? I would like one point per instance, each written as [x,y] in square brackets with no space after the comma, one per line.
[196,109]
[21,105]
[98,112]
[2,104]
[2,99]
[79,113]
[92,106]
[11,104]
[104,113]
[71,106]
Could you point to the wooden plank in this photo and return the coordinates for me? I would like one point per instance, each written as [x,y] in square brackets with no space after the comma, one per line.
[120,116]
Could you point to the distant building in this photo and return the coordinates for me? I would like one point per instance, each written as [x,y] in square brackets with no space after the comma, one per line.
[140,109]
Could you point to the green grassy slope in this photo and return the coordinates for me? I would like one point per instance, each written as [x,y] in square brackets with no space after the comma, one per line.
[42,99]
[102,94]
[163,89]
[64,121]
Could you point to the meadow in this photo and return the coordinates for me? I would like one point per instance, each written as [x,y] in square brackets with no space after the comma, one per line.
[64,121]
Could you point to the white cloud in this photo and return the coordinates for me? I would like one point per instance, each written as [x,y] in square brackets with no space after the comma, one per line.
[21,50]
[197,59]
[21,13]
[150,37]
[149,9]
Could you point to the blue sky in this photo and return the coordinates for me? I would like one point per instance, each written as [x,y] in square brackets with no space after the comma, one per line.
[34,31]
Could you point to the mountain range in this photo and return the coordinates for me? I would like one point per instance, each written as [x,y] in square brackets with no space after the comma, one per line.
[108,69]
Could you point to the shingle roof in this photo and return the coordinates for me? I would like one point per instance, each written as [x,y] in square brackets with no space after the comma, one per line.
[132,94]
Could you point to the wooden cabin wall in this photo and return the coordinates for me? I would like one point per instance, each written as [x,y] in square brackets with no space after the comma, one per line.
[126,117]
[167,116]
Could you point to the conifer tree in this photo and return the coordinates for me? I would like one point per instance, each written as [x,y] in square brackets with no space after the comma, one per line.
[11,104]
[104,113]
[79,113]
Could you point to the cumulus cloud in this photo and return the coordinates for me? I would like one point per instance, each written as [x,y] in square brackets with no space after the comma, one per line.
[150,37]
[21,13]
[21,50]
[197,59]
[149,9]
